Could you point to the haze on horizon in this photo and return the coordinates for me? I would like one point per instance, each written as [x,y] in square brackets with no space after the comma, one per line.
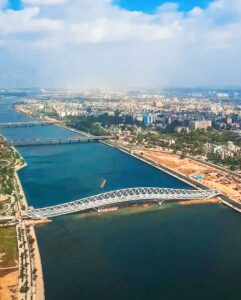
[109,44]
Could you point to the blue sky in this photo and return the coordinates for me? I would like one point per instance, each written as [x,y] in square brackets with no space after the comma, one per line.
[149,6]
[15,4]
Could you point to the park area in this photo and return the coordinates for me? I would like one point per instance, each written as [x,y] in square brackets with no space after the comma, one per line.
[8,263]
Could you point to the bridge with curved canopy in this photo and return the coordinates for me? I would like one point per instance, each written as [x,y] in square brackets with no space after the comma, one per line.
[98,202]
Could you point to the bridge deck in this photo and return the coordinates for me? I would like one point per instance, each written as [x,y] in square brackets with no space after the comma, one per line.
[119,196]
[54,141]
[30,123]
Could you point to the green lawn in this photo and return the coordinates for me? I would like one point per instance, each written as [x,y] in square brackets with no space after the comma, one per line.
[8,246]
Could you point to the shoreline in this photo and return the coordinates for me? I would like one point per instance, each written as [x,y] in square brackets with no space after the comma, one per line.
[224,199]
[127,151]
[36,292]
[191,182]
[159,166]
[39,291]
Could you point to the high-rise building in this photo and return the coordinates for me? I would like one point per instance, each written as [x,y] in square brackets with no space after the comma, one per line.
[148,119]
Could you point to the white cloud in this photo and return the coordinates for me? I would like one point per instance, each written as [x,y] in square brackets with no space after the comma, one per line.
[94,43]
[44,2]
[104,30]
[26,21]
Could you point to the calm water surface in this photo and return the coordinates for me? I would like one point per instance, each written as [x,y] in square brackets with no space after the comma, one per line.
[168,252]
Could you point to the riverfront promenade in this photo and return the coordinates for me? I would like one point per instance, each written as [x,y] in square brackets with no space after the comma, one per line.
[229,193]
[32,276]
[160,165]
[107,140]
[29,283]
[192,236]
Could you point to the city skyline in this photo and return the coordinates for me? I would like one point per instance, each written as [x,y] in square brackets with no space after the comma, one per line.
[115,44]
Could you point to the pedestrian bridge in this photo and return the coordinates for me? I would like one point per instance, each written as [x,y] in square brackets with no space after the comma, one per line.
[129,195]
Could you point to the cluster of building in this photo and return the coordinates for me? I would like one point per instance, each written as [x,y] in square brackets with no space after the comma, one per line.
[153,110]
[226,150]
[144,114]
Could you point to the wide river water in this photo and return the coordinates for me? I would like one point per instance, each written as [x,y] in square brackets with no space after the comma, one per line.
[169,252]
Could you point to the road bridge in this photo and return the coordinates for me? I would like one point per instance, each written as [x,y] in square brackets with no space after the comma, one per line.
[54,141]
[29,124]
[129,195]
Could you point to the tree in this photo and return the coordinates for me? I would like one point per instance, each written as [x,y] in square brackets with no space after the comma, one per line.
[183,155]
[24,289]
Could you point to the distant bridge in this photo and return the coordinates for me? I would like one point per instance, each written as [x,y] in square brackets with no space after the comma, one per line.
[54,141]
[98,202]
[30,124]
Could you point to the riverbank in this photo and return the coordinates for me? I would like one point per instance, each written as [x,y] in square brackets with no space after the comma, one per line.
[188,170]
[22,110]
[170,234]
[27,279]
[206,175]
[51,119]
[158,166]
[34,273]
[39,282]
[204,201]
[193,172]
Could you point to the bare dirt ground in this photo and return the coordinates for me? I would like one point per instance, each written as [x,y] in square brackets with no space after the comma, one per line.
[213,178]
[8,285]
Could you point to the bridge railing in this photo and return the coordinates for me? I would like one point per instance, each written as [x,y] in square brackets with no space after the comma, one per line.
[30,124]
[53,141]
[120,196]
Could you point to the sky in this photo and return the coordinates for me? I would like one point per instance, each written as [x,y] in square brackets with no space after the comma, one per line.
[120,44]
[150,6]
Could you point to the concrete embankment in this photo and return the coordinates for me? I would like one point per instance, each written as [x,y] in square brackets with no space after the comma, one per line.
[224,198]
[39,283]
[74,130]
[168,171]
[231,203]
[227,201]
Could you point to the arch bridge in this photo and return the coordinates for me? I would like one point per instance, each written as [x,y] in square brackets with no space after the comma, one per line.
[129,195]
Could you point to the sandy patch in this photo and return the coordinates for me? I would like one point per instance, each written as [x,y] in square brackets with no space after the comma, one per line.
[8,285]
[3,198]
[191,202]
[214,178]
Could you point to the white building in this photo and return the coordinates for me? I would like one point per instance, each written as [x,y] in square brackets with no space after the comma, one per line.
[203,124]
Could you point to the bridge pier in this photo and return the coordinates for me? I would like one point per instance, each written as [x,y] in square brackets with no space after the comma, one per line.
[100,201]
[99,209]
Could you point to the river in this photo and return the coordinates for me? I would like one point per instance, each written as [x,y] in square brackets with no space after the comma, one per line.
[168,252]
